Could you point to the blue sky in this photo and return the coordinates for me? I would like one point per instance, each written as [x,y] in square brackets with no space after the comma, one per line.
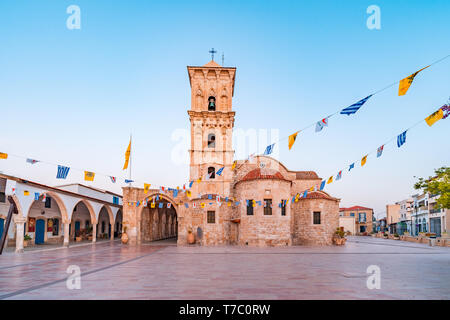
[74,96]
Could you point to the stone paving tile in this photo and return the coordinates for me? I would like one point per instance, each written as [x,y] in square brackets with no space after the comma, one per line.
[408,271]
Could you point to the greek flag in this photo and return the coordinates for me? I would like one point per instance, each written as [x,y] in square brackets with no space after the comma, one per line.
[186,205]
[62,172]
[36,196]
[355,107]
[128,181]
[269,149]
[401,139]
[160,205]
[191,183]
[351,166]
[219,172]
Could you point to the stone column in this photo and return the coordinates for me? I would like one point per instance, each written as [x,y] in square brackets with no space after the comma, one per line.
[66,234]
[20,222]
[94,232]
[111,237]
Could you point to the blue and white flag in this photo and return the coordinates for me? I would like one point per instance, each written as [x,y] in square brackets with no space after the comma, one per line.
[175,193]
[128,181]
[36,196]
[219,172]
[322,185]
[269,149]
[322,123]
[401,139]
[209,196]
[305,193]
[355,107]
[62,172]
[380,151]
[352,166]
[191,183]
[138,203]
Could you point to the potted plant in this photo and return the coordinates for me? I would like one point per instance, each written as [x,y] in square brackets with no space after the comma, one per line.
[339,237]
[190,236]
[124,237]
[385,235]
[78,236]
[26,240]
[396,236]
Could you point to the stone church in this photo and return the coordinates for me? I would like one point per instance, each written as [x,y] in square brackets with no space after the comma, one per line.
[244,202]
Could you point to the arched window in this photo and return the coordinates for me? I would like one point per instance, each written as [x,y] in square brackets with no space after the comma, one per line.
[212,172]
[211,140]
[211,103]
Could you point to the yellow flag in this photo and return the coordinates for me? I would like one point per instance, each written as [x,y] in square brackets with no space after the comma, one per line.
[234,165]
[406,83]
[199,180]
[146,187]
[152,205]
[127,156]
[26,193]
[3,155]
[229,204]
[202,205]
[434,117]
[89,176]
[363,160]
[292,138]
[311,189]
[253,203]
[188,193]
[330,180]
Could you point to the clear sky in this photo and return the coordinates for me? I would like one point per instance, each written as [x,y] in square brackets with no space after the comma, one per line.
[74,96]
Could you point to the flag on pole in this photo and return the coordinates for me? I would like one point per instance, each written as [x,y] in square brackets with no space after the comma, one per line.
[113,179]
[89,176]
[401,139]
[234,165]
[355,107]
[127,156]
[406,83]
[219,172]
[31,161]
[339,175]
[62,172]
[380,151]
[292,139]
[364,160]
[322,123]
[269,149]
[3,155]
[146,187]
[351,166]
[434,117]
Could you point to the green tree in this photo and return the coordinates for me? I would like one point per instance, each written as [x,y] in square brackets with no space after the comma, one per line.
[437,185]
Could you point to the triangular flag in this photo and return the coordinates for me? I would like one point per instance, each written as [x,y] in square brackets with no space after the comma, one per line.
[363,160]
[434,117]
[406,83]
[292,139]
[322,185]
[269,149]
[219,172]
[355,107]
[351,166]
[146,187]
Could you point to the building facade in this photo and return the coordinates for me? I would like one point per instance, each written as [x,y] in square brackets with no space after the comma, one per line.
[363,218]
[246,202]
[57,215]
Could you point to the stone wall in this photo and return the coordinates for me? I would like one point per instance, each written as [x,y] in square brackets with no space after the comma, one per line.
[304,231]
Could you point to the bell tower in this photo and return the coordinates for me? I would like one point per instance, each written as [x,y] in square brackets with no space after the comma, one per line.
[212,122]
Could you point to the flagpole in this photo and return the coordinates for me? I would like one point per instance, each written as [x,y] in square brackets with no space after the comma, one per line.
[131,158]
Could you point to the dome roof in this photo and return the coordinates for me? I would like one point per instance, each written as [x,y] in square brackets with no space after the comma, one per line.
[263,174]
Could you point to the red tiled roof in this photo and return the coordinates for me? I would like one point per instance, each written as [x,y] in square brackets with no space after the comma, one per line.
[257,174]
[318,195]
[306,175]
[354,208]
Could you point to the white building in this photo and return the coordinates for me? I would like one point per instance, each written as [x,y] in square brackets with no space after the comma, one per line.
[426,217]
[406,210]
[61,214]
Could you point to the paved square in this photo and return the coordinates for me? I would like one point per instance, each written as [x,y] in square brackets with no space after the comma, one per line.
[161,270]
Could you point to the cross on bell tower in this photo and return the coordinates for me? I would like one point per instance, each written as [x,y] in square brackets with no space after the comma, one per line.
[212,51]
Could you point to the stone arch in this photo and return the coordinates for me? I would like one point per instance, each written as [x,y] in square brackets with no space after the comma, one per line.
[18,205]
[162,196]
[61,206]
[90,209]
